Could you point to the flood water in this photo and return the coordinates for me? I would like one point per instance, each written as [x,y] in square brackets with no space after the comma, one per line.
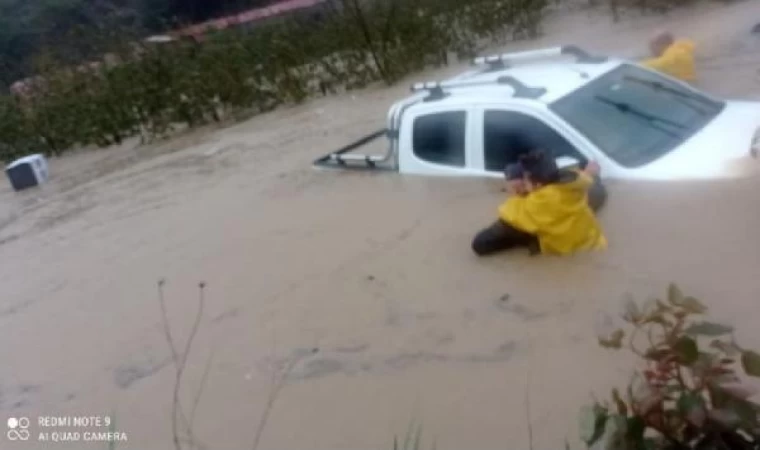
[348,305]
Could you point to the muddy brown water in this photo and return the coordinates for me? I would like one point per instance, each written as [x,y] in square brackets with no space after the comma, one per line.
[361,287]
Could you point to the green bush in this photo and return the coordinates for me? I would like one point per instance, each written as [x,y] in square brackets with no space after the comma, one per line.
[152,89]
[693,392]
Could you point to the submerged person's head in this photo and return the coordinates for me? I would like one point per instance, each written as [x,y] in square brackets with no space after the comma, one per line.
[660,42]
[541,169]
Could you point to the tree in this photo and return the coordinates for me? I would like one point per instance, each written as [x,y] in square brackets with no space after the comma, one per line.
[73,31]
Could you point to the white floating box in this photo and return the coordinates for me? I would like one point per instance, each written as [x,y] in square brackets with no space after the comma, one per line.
[27,172]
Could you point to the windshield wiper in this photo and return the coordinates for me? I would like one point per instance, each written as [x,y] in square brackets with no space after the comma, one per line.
[649,118]
[658,86]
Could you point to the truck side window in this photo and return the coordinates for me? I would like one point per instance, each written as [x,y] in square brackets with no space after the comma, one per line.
[439,138]
[508,134]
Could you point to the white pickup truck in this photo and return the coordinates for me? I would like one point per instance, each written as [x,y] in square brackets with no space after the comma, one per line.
[636,123]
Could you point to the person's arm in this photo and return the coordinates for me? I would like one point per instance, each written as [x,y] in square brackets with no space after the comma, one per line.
[514,212]
[580,180]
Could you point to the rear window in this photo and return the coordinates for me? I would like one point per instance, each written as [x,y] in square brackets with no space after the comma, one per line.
[636,116]
[440,138]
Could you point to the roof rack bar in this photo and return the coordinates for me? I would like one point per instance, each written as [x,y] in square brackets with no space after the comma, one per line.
[426,86]
[434,88]
[507,59]
[530,55]
[520,89]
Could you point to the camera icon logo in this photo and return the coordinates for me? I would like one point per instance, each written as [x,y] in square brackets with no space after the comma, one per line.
[18,429]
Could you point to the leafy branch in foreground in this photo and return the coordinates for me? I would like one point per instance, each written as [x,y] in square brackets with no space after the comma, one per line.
[692,392]
[179,360]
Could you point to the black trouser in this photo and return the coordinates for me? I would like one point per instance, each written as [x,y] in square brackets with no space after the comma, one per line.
[502,236]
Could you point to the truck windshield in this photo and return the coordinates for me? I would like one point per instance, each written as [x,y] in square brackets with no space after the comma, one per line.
[636,116]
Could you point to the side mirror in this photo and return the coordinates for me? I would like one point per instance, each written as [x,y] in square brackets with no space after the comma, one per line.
[565,162]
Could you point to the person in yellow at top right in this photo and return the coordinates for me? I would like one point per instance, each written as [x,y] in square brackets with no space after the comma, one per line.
[674,57]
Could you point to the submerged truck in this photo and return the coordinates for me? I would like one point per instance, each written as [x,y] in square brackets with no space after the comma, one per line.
[635,122]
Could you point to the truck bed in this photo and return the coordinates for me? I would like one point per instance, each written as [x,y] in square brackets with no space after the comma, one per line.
[344,159]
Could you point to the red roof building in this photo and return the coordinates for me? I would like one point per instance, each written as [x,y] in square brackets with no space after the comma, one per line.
[23,88]
[247,17]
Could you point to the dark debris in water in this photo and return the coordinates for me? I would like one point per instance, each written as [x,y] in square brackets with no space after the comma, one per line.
[18,396]
[128,374]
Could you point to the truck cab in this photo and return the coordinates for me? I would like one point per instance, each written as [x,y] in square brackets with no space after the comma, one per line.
[478,136]
[634,122]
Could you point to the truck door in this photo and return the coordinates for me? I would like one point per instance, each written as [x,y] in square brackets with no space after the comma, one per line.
[437,139]
[508,133]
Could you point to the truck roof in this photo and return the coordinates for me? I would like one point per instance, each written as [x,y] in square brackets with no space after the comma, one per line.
[540,76]
[557,78]
[552,70]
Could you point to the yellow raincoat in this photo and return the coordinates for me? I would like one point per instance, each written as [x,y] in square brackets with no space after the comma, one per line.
[559,215]
[676,61]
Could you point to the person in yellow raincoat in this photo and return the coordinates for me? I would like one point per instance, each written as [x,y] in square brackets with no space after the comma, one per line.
[674,57]
[554,217]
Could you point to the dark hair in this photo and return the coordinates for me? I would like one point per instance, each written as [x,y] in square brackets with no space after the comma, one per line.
[513,172]
[540,168]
